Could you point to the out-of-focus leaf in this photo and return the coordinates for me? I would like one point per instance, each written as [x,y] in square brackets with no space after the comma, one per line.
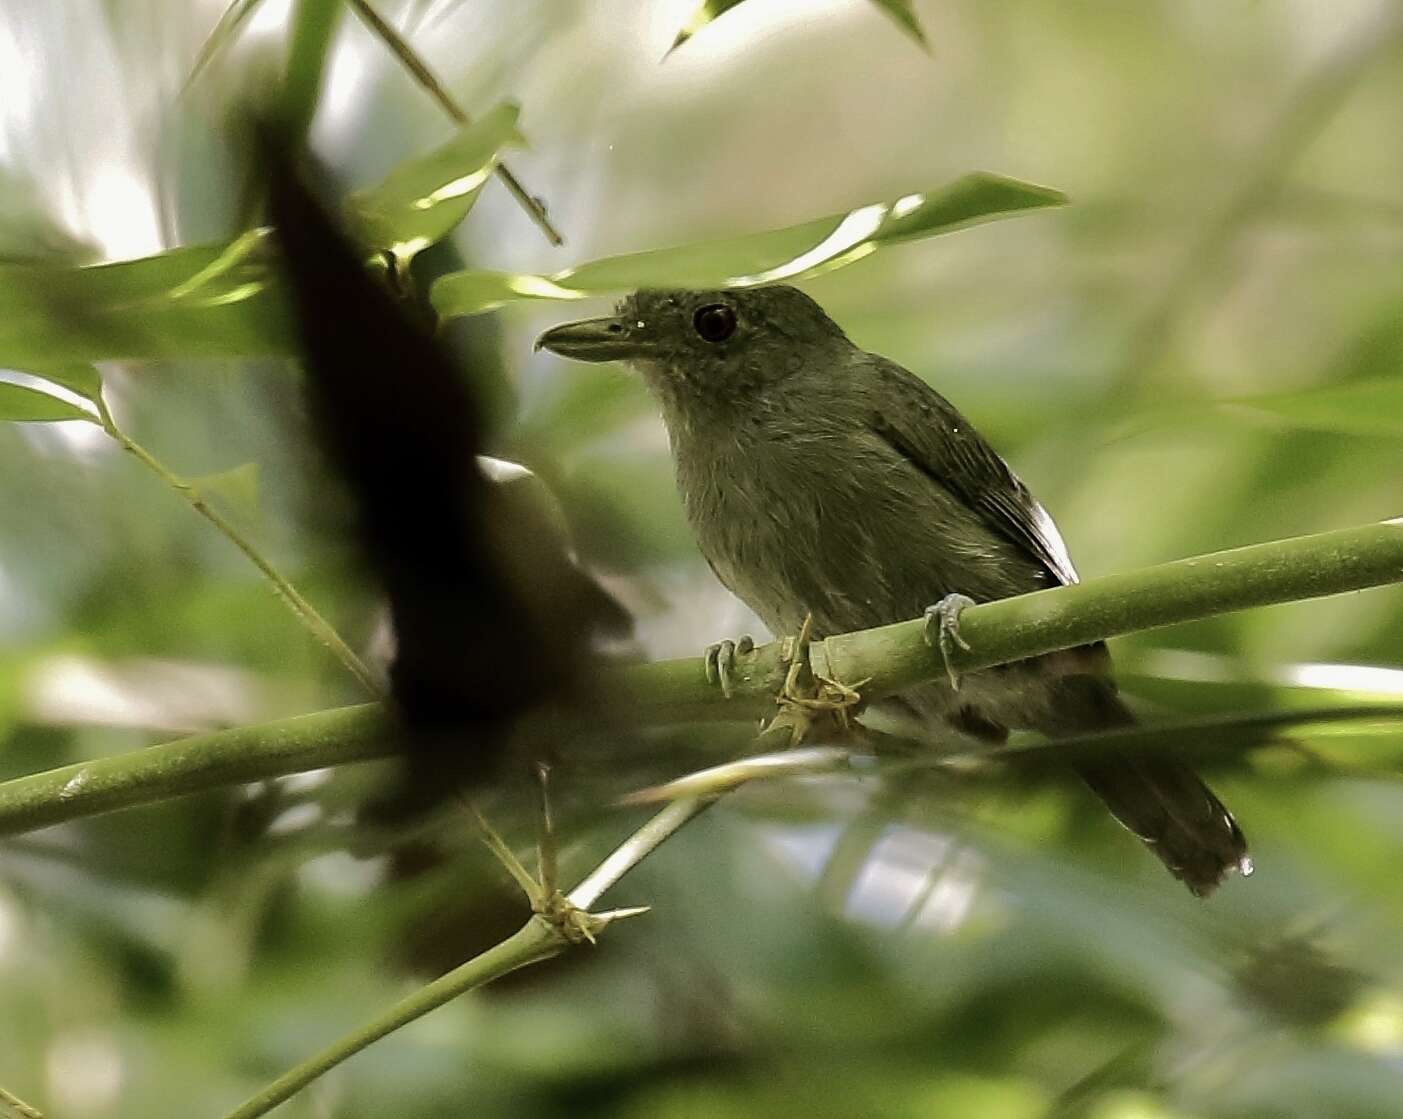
[28,405]
[708,10]
[236,489]
[204,301]
[793,253]
[905,16]
[222,35]
[80,377]
[1372,407]
[225,300]
[422,199]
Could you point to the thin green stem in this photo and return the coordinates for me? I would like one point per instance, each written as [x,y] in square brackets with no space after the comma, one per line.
[537,940]
[411,61]
[305,612]
[18,1106]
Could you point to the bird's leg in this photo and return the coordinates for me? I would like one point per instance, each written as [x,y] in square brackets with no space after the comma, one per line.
[806,697]
[721,661]
[943,630]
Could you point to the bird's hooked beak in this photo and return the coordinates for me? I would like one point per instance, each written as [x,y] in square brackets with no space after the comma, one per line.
[606,339]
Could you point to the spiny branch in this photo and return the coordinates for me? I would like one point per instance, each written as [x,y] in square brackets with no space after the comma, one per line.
[894,657]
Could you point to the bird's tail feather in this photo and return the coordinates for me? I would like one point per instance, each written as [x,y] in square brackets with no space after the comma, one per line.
[1162,801]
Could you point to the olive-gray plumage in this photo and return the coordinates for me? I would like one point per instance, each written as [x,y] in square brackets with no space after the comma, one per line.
[826,481]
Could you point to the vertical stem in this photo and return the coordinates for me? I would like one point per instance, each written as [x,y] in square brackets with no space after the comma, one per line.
[306,613]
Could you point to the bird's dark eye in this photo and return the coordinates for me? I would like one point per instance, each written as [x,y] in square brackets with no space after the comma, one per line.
[715,322]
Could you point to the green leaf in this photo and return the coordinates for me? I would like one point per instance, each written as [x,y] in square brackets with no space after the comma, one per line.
[1373,407]
[225,300]
[26,405]
[709,10]
[793,253]
[80,377]
[905,16]
[423,199]
[706,11]
[204,301]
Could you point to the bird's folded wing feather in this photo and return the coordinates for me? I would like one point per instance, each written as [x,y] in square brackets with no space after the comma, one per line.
[926,429]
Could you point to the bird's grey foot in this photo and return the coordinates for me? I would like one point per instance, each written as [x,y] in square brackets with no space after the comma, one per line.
[943,630]
[721,661]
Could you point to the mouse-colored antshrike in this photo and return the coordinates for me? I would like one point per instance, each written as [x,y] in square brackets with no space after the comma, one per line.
[823,480]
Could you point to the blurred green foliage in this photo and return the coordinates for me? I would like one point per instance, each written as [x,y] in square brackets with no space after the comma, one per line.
[1202,350]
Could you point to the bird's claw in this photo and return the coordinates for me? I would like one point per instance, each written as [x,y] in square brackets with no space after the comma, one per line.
[720,661]
[944,619]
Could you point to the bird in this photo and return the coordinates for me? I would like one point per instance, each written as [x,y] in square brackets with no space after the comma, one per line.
[827,484]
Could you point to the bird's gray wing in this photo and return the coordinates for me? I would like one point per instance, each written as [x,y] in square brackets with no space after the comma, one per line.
[929,431]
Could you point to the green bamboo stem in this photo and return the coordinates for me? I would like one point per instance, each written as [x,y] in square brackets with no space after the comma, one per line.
[191,765]
[21,1109]
[894,657]
[537,940]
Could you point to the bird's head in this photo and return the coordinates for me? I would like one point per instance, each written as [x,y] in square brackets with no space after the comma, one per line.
[705,348]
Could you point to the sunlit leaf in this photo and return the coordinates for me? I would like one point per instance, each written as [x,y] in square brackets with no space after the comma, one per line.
[80,377]
[23,405]
[204,301]
[709,10]
[422,199]
[226,300]
[1373,407]
[706,11]
[793,253]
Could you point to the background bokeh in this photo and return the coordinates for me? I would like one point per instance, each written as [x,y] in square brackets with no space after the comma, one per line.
[1203,350]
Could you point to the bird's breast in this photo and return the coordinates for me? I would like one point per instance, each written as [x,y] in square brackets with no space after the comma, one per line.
[829,521]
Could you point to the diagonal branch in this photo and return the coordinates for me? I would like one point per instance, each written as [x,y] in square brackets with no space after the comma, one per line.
[411,61]
[895,657]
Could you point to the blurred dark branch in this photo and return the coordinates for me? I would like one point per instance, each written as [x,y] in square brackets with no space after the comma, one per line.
[411,61]
[1308,111]
[895,657]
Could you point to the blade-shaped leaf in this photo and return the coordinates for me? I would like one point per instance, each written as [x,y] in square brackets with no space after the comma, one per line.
[905,16]
[26,405]
[708,10]
[225,300]
[423,199]
[1373,407]
[80,377]
[792,253]
[205,301]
